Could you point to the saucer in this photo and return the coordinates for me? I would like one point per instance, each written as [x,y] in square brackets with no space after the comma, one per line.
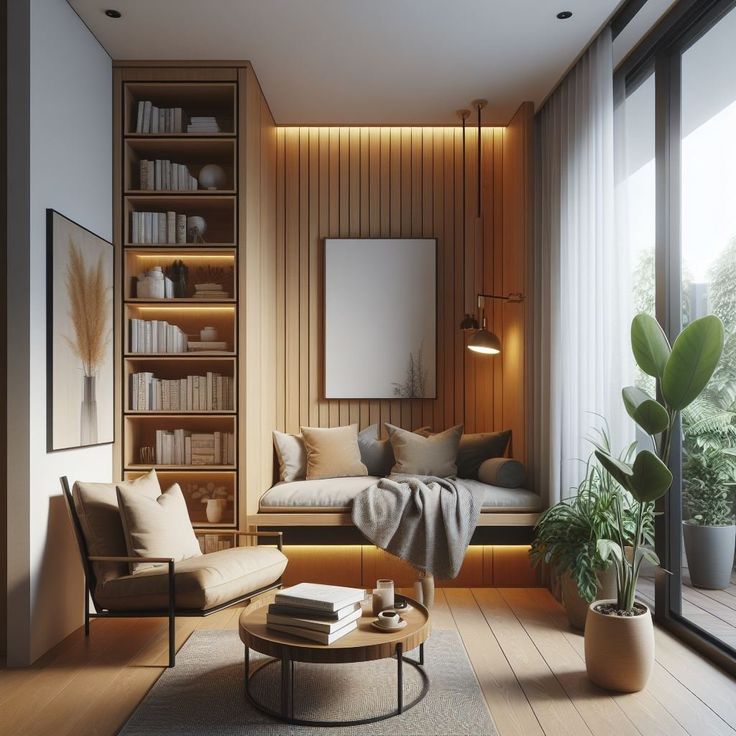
[380,627]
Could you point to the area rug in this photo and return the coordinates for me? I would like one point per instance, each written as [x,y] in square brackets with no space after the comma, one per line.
[203,694]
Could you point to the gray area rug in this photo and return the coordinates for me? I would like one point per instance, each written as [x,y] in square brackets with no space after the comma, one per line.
[204,695]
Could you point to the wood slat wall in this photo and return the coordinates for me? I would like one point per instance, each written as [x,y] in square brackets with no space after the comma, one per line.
[405,182]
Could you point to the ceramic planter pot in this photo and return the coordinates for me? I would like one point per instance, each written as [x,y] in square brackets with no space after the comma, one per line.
[710,554]
[215,509]
[619,650]
[577,607]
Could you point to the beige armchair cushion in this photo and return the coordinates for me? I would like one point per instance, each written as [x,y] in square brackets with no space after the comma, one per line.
[96,505]
[201,582]
[292,456]
[333,452]
[156,527]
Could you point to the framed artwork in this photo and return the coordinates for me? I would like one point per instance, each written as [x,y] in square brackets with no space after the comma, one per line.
[79,325]
[380,318]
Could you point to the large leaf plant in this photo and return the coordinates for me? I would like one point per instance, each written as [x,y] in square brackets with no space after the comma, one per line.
[681,371]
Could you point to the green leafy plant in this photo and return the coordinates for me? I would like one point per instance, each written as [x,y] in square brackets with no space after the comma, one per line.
[710,476]
[681,372]
[567,534]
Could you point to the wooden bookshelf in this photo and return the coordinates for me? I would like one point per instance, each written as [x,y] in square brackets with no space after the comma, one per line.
[215,260]
[237,250]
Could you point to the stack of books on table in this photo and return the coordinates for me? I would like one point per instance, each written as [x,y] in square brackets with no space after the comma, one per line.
[321,613]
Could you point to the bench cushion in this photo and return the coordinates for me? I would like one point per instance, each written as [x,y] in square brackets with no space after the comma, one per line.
[337,494]
[201,582]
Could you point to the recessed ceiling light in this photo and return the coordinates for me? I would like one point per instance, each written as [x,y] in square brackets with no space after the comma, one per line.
[113,13]
[564,14]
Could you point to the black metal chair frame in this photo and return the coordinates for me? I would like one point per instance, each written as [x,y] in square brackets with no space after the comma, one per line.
[170,612]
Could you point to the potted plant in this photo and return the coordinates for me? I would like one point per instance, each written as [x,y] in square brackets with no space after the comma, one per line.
[567,534]
[619,634]
[709,532]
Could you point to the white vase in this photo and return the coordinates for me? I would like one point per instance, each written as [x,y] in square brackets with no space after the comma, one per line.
[88,414]
[215,509]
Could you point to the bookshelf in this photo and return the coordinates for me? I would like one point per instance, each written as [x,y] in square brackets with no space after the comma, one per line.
[170,387]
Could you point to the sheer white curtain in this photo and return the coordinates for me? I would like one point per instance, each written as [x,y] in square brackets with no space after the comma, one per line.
[579,345]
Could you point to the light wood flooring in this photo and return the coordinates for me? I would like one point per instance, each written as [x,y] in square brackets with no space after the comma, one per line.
[528,662]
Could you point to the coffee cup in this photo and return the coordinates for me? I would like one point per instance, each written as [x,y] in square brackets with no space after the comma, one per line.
[389,619]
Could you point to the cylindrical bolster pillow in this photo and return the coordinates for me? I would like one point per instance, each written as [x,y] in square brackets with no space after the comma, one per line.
[502,471]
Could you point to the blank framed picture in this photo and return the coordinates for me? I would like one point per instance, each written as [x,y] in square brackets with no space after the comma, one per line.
[380,298]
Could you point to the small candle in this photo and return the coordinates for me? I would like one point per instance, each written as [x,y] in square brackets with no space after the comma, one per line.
[383,596]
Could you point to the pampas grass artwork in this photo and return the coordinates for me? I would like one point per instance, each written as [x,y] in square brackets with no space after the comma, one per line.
[88,312]
[80,345]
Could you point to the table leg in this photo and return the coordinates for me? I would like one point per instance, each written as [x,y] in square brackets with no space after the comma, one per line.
[286,685]
[400,677]
[421,654]
[246,668]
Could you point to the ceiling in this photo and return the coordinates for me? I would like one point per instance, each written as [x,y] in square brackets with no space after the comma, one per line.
[365,61]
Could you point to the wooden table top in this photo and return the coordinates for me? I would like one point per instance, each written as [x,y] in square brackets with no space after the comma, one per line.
[364,644]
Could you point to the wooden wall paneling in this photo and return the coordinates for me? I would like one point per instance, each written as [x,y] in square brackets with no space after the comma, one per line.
[517,202]
[117,239]
[511,567]
[392,182]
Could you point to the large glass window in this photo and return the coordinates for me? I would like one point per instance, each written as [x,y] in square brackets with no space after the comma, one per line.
[708,273]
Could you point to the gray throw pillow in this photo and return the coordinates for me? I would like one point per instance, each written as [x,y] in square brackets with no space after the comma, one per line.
[292,455]
[417,455]
[475,448]
[503,472]
[377,454]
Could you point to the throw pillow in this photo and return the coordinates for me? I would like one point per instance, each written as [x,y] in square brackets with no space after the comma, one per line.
[97,508]
[475,448]
[292,456]
[333,453]
[417,455]
[377,454]
[502,471]
[156,527]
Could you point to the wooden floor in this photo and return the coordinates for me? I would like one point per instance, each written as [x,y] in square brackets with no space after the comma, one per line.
[528,662]
[712,610]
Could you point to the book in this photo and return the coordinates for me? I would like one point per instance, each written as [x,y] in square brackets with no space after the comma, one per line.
[326,627]
[318,636]
[289,610]
[320,597]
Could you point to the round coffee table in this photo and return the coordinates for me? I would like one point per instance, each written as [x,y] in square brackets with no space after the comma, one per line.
[364,644]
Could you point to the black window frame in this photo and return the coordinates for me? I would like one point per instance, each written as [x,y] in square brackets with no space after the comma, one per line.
[660,52]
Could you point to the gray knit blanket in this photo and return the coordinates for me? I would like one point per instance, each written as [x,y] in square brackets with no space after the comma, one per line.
[426,521]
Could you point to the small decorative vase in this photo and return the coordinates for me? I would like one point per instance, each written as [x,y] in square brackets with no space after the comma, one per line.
[196,228]
[88,415]
[212,176]
[215,509]
[619,650]
[208,334]
[427,581]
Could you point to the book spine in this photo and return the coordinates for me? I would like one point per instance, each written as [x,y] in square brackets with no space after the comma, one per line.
[147,107]
[181,228]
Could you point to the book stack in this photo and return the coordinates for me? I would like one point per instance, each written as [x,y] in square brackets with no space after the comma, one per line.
[183,447]
[157,227]
[152,119]
[321,613]
[214,543]
[211,392]
[209,291]
[201,346]
[156,336]
[203,125]
[163,175]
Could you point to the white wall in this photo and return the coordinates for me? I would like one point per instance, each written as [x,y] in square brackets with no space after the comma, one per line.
[70,145]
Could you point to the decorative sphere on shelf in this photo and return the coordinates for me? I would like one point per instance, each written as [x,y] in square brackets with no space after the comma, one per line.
[212,176]
[196,228]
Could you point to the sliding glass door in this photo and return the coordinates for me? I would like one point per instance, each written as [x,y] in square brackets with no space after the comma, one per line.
[708,285]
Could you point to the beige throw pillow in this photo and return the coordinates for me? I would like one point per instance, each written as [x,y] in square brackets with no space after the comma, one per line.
[333,453]
[97,508]
[434,455]
[156,527]
[292,456]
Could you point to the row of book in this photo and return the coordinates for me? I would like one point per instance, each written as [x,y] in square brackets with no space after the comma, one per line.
[163,175]
[156,336]
[157,227]
[183,447]
[211,392]
[152,119]
[214,543]
[321,613]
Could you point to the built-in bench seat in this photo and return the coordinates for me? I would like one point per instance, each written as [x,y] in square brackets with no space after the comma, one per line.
[327,503]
